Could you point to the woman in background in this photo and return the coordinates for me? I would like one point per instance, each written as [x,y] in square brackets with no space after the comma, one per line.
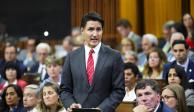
[12,99]
[154,67]
[173,95]
[50,101]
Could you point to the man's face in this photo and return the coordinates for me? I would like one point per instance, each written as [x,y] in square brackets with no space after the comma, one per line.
[166,33]
[146,45]
[129,77]
[30,100]
[10,53]
[42,54]
[31,45]
[148,97]
[92,33]
[180,53]
[124,32]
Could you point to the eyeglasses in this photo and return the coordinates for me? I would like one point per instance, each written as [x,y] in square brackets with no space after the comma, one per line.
[166,98]
[155,58]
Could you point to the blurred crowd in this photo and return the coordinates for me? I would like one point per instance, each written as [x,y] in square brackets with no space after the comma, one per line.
[30,75]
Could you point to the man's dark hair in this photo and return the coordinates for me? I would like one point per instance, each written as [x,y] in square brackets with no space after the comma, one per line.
[134,69]
[11,45]
[148,82]
[124,23]
[180,42]
[92,16]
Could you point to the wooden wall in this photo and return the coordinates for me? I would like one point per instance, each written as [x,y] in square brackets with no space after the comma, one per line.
[192,7]
[146,16]
[129,10]
[108,9]
[157,12]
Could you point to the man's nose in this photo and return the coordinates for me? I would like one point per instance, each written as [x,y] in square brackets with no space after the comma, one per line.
[95,33]
[144,98]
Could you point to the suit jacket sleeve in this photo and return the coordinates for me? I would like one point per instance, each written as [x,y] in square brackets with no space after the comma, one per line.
[66,87]
[165,71]
[118,88]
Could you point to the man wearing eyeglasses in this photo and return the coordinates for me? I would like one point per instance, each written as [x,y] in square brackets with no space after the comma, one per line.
[148,97]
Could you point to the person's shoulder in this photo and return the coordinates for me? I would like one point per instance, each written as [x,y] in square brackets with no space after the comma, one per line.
[164,108]
[76,52]
[191,62]
[167,109]
[108,49]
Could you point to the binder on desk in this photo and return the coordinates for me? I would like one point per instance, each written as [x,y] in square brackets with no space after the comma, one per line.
[86,110]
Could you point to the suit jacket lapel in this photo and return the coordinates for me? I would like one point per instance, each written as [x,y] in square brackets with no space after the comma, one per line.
[99,65]
[83,66]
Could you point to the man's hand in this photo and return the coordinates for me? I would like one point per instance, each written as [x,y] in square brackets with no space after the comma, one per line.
[74,105]
[140,108]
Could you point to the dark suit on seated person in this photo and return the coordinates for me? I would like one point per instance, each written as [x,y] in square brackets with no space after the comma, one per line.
[180,51]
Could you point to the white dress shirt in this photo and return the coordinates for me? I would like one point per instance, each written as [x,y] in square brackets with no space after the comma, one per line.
[95,54]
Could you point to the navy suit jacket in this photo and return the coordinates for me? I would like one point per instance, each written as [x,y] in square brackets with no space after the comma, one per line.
[189,72]
[107,89]
[164,108]
[35,70]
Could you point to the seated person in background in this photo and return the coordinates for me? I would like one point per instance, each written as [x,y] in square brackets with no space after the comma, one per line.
[124,28]
[180,51]
[127,45]
[149,42]
[148,97]
[54,69]
[12,99]
[28,55]
[30,98]
[177,75]
[131,56]
[132,74]
[50,101]
[173,95]
[12,75]
[153,69]
[42,51]
[10,55]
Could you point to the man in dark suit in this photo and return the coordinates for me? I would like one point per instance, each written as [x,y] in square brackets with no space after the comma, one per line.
[42,51]
[148,97]
[10,55]
[93,74]
[180,51]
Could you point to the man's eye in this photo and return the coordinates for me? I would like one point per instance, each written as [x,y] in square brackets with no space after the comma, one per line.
[90,29]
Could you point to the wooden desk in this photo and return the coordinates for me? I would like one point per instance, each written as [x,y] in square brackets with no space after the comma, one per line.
[126,107]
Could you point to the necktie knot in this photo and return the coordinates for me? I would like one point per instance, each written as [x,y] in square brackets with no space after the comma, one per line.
[91,51]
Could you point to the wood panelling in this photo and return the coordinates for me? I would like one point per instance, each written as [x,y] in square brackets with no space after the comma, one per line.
[192,7]
[129,10]
[108,9]
[157,12]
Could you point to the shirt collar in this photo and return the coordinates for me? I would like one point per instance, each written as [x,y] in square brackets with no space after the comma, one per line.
[96,49]
[130,34]
[185,65]
[157,108]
